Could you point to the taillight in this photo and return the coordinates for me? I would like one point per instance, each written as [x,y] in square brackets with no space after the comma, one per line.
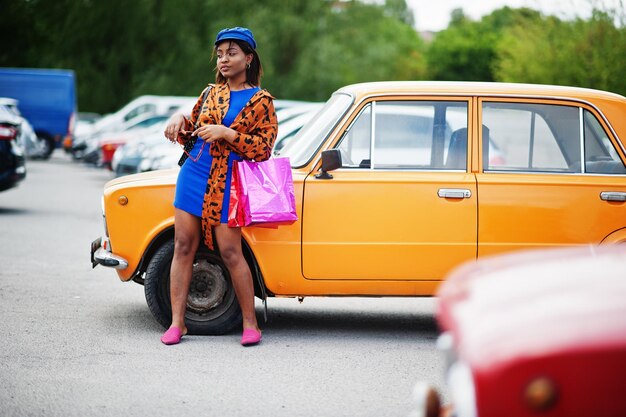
[8,132]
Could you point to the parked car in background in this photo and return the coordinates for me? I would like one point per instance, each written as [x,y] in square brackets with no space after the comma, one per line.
[295,109]
[143,105]
[536,333]
[85,126]
[145,125]
[12,161]
[137,109]
[372,221]
[290,123]
[34,147]
[100,147]
[46,98]
[280,104]
[151,152]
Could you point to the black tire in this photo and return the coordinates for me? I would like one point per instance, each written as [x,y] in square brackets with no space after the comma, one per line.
[212,306]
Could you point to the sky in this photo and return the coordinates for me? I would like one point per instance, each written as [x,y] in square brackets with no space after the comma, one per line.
[435,14]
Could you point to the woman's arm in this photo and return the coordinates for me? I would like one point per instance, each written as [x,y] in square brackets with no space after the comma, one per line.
[179,128]
[255,139]
[251,138]
[256,145]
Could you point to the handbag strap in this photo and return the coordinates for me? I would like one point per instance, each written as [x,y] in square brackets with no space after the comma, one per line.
[190,144]
[204,96]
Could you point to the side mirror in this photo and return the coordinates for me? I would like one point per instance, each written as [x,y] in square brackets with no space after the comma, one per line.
[331,160]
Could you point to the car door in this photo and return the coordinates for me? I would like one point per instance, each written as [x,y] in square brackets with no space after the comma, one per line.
[402,206]
[535,192]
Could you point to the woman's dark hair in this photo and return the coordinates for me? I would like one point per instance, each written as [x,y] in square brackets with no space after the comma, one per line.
[253,73]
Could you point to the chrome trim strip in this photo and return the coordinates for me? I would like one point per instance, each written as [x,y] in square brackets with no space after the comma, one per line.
[551,173]
[581,127]
[439,171]
[372,132]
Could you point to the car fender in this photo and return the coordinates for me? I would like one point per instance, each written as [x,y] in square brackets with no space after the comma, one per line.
[143,249]
[161,235]
[618,236]
[157,241]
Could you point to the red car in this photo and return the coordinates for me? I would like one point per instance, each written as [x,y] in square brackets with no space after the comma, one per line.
[540,333]
[144,125]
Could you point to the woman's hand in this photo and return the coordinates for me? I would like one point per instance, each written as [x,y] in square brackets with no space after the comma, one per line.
[210,133]
[174,126]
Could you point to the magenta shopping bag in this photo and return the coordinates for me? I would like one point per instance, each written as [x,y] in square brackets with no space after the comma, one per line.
[235,213]
[265,192]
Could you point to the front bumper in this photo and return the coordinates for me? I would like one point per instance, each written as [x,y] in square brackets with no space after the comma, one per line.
[102,255]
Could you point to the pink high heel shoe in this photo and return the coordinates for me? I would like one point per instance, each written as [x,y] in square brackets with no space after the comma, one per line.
[250,337]
[172,336]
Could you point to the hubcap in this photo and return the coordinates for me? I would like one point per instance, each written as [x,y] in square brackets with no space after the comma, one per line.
[208,287]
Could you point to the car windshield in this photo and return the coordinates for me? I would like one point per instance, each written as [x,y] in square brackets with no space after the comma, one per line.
[301,148]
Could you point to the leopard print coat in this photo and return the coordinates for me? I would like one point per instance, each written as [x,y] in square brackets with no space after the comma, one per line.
[256,128]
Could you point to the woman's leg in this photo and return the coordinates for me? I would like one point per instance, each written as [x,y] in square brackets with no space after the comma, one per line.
[186,240]
[229,243]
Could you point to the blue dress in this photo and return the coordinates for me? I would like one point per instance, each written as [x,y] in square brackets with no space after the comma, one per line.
[193,176]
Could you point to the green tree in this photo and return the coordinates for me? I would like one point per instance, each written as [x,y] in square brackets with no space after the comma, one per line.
[122,49]
[587,53]
[467,50]
[356,44]
[399,10]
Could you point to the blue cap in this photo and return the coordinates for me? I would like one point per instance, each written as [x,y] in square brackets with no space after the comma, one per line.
[242,34]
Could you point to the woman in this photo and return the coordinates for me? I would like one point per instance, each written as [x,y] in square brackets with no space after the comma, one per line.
[232,119]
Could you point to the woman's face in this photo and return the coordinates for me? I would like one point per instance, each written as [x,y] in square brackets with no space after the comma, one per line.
[231,61]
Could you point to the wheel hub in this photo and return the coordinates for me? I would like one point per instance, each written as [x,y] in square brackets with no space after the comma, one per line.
[208,287]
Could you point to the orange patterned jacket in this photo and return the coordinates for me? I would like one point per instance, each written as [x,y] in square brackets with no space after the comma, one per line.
[256,127]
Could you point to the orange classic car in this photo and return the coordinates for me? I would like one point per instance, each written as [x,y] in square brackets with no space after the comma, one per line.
[397,183]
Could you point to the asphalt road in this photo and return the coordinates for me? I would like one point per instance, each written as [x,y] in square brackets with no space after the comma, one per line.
[79,342]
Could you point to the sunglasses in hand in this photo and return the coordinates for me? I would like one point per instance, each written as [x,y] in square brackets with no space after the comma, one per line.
[192,138]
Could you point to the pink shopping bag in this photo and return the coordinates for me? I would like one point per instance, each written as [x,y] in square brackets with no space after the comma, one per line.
[264,194]
[235,214]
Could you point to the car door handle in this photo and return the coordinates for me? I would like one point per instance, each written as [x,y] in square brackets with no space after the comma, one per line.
[612,196]
[454,193]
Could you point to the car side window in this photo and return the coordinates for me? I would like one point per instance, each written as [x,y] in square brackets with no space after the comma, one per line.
[355,145]
[546,138]
[407,135]
[144,108]
[600,154]
[530,137]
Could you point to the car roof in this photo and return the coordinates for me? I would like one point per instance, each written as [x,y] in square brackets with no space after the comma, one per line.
[475,88]
[7,101]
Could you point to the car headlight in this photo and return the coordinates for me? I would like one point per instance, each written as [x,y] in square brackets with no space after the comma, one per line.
[462,391]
